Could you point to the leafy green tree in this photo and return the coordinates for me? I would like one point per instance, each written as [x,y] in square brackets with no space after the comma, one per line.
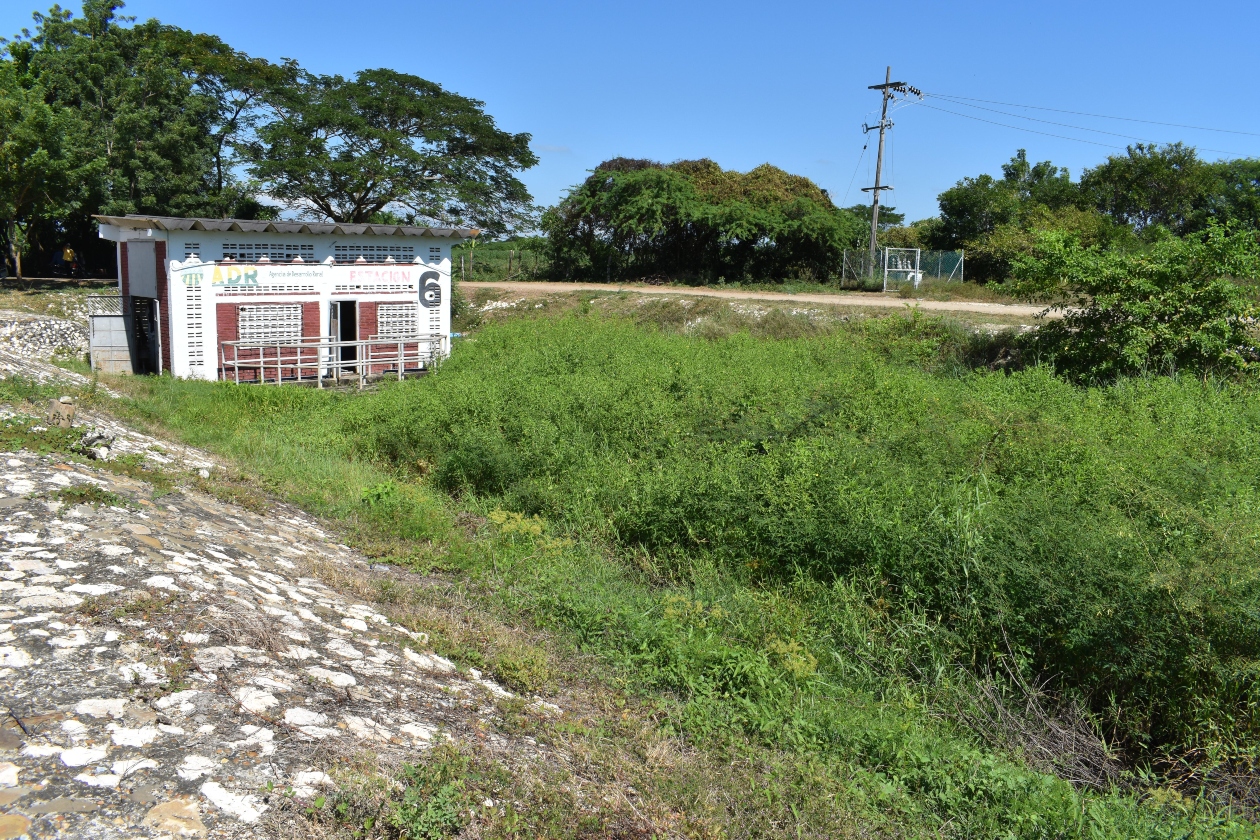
[888,216]
[149,116]
[1234,194]
[973,208]
[40,172]
[1040,184]
[695,220]
[1150,186]
[348,149]
[1174,306]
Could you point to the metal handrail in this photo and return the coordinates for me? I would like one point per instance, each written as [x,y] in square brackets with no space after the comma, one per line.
[324,354]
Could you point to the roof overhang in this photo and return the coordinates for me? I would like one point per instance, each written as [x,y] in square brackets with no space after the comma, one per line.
[171,223]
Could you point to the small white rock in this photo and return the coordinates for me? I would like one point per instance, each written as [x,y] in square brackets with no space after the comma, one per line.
[195,766]
[333,678]
[128,766]
[79,756]
[304,717]
[105,780]
[9,774]
[245,807]
[253,699]
[124,737]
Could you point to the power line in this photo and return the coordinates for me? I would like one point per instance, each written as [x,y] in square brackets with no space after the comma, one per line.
[855,172]
[1065,125]
[1021,128]
[1099,116]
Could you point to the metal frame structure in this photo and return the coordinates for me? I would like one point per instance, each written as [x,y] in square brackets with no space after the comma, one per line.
[315,360]
[893,255]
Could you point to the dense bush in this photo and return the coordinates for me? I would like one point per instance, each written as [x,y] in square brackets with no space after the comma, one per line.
[693,220]
[1103,537]
[1172,306]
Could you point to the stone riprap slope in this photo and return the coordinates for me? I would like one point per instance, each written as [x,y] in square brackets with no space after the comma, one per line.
[41,336]
[177,668]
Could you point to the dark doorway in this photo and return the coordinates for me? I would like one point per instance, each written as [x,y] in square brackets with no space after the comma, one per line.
[344,326]
[146,350]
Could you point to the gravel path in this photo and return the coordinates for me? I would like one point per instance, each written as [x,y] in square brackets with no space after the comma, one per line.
[865,300]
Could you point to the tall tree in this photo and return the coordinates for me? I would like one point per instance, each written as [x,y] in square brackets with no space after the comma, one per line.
[149,117]
[346,150]
[1234,194]
[1150,185]
[41,173]
[694,220]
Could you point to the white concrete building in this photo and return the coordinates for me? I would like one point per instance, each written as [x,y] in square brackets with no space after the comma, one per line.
[277,301]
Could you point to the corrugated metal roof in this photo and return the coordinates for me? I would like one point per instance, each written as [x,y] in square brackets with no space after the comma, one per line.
[138,222]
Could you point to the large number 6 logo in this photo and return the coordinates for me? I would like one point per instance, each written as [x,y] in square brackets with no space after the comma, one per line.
[431,292]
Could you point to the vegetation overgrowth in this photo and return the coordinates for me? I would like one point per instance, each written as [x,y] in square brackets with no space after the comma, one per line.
[1006,507]
[694,220]
[1184,304]
[823,548]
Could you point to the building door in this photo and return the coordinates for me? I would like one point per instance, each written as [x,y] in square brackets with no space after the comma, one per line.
[146,353]
[344,326]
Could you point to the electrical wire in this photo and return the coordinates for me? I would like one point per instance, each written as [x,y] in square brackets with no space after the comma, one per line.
[1021,128]
[862,156]
[1064,125]
[1099,116]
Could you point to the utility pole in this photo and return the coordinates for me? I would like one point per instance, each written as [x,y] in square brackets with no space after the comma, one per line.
[887,89]
[886,92]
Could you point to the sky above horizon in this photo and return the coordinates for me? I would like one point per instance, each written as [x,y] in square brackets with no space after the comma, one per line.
[746,84]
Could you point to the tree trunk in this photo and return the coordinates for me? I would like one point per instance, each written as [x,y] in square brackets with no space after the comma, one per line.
[15,250]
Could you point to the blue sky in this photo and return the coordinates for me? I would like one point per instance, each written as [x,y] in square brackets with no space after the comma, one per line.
[748,83]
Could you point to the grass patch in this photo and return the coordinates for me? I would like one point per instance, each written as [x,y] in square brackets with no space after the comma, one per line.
[90,494]
[795,558]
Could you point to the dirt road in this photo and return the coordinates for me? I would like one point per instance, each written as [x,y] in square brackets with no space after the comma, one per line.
[853,299]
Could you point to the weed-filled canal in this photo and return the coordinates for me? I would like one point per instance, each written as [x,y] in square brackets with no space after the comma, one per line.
[840,549]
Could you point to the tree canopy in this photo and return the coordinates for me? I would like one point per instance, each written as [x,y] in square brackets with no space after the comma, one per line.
[694,220]
[99,114]
[346,150]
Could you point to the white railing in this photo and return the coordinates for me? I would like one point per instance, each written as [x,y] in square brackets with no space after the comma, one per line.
[321,359]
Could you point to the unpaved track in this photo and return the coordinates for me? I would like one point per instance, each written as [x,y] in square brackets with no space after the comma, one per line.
[874,300]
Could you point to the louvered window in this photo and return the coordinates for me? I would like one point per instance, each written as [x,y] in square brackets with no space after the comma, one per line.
[276,252]
[395,320]
[374,253]
[278,322]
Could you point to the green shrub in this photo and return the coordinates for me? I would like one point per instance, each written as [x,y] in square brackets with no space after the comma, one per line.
[1103,537]
[1170,307]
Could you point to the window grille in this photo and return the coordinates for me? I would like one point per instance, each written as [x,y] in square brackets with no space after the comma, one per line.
[435,255]
[267,289]
[372,288]
[374,253]
[274,251]
[191,248]
[275,322]
[196,329]
[397,319]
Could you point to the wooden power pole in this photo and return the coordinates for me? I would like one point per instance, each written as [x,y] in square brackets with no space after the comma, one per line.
[886,90]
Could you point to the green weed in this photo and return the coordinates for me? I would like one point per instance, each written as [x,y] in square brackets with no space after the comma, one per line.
[90,494]
[800,552]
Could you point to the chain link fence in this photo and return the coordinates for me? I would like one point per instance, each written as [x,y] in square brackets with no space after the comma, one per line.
[894,266]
